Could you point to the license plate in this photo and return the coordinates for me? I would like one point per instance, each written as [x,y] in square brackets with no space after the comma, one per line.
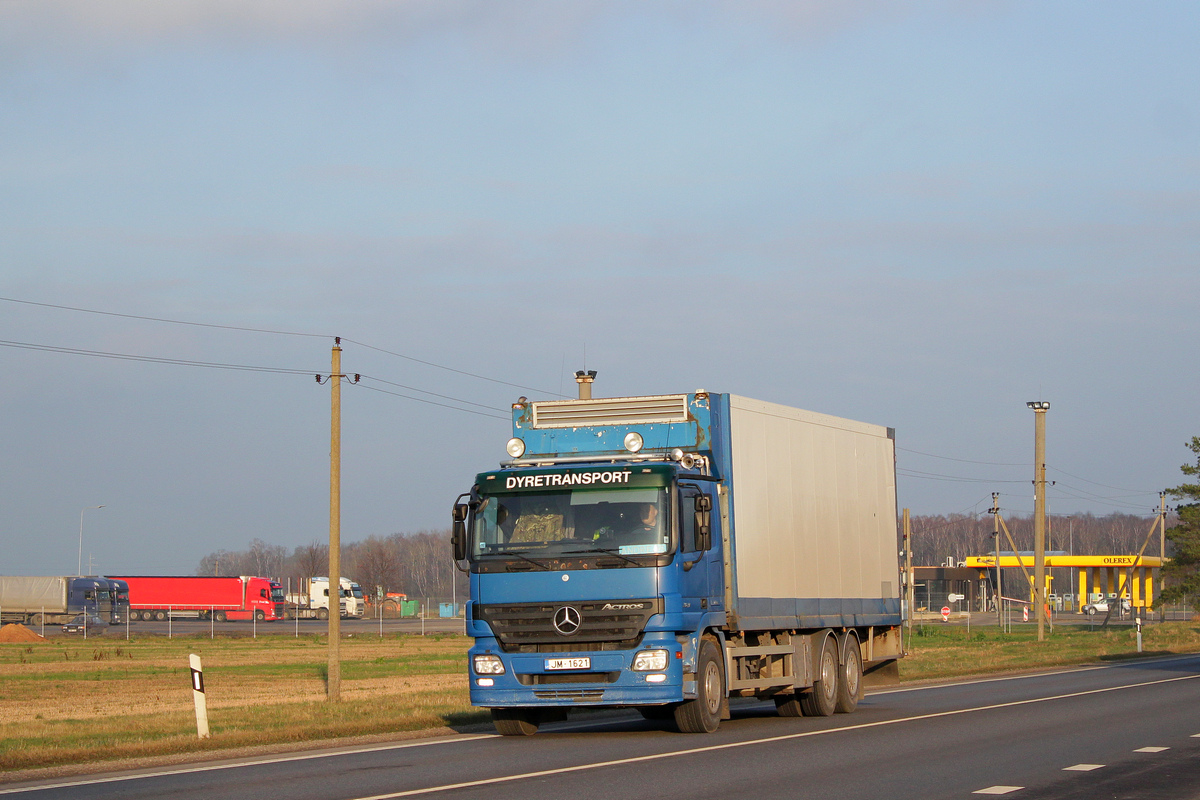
[568,663]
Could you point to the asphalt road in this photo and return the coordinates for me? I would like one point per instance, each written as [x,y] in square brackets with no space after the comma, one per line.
[1129,731]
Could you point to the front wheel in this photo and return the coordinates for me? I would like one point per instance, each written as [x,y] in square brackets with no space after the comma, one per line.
[516,721]
[703,714]
[1091,611]
[260,615]
[323,613]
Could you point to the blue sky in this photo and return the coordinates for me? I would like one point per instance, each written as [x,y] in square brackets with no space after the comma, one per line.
[919,215]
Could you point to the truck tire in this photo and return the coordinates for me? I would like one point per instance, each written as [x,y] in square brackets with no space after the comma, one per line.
[821,700]
[160,615]
[260,615]
[36,620]
[322,613]
[849,690]
[703,714]
[516,721]
[221,616]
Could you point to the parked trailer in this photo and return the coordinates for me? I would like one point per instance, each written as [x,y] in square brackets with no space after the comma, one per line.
[222,598]
[667,553]
[53,599]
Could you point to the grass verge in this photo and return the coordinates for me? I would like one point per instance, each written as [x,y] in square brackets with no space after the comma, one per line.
[71,702]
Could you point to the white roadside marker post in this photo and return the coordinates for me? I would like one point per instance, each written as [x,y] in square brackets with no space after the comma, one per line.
[198,696]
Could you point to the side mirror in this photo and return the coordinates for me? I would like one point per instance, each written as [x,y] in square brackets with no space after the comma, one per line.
[459,537]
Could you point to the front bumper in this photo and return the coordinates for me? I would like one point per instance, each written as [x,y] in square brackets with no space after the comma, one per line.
[608,681]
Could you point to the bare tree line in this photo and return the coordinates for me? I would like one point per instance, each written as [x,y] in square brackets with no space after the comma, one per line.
[417,564]
[936,538]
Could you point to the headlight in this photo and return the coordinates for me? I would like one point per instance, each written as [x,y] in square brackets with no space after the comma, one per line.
[633,441]
[650,661]
[515,447]
[488,665]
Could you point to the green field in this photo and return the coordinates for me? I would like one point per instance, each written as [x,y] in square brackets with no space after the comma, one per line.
[71,702]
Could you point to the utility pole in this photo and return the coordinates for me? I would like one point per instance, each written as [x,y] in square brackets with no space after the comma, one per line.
[1040,407]
[908,572]
[1162,548]
[333,685]
[995,512]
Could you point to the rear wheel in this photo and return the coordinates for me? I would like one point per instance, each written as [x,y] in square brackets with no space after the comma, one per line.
[160,615]
[703,714]
[850,681]
[36,620]
[220,616]
[516,721]
[821,700]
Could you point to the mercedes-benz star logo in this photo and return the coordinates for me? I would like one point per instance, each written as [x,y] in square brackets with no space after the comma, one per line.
[567,620]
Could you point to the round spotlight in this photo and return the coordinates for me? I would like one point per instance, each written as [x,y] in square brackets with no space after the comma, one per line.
[677,454]
[633,441]
[516,448]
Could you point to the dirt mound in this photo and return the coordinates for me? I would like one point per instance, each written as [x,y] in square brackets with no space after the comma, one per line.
[17,632]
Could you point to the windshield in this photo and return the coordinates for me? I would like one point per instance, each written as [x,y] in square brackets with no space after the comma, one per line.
[626,522]
[276,593]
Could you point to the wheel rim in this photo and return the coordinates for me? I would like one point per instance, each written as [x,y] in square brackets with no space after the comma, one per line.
[829,674]
[712,687]
[852,674]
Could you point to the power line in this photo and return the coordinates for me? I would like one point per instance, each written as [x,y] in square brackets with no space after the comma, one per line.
[1105,485]
[161,319]
[908,473]
[154,359]
[450,369]
[429,402]
[275,332]
[426,391]
[963,460]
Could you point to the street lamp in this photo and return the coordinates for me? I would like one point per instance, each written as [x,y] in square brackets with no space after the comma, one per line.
[79,568]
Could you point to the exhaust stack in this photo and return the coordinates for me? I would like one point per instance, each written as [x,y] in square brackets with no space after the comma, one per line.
[585,380]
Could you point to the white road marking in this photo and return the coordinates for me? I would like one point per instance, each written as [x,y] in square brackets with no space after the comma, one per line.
[256,762]
[768,740]
[1151,749]
[998,790]
[1025,676]
[1082,768]
[503,779]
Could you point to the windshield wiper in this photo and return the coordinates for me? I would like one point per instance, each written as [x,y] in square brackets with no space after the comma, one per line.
[537,564]
[616,553]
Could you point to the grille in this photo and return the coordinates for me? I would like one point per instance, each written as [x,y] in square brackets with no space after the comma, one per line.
[610,411]
[550,678]
[578,695]
[530,626]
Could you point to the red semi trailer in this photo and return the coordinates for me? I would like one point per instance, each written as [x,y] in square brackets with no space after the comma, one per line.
[225,598]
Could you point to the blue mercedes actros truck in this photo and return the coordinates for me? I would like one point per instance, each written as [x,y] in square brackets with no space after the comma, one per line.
[667,553]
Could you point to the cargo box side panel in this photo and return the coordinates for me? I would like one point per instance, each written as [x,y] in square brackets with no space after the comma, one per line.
[814,519]
[32,593]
